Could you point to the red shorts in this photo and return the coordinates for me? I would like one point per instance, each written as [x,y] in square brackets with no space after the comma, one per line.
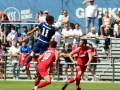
[80,68]
[42,72]
[23,62]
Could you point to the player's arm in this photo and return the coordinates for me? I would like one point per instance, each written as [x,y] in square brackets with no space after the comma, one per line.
[33,30]
[90,57]
[40,58]
[72,53]
[56,62]
[95,53]
[56,59]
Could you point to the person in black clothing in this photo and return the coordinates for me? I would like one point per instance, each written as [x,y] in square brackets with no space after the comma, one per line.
[106,49]
[67,48]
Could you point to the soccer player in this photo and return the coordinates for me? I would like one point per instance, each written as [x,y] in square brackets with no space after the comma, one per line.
[92,67]
[83,60]
[46,33]
[47,59]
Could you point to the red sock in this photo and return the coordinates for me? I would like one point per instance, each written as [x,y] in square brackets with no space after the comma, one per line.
[43,84]
[78,78]
[70,81]
[36,82]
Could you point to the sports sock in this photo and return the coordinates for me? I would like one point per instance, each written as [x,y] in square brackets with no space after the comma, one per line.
[28,60]
[78,78]
[70,81]
[43,84]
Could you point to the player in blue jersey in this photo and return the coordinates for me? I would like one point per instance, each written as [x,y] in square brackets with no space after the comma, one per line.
[46,33]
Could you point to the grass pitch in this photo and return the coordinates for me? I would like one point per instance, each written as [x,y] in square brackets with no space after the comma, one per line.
[27,85]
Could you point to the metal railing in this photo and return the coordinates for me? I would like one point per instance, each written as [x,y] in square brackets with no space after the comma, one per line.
[58,73]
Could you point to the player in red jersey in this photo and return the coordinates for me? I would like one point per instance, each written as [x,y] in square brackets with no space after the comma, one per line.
[47,59]
[83,60]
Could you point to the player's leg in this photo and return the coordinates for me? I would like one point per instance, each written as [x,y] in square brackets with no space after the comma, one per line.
[69,82]
[44,83]
[36,49]
[80,70]
[78,78]
[37,80]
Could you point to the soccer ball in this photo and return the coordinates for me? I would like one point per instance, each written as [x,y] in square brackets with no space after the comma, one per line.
[57,25]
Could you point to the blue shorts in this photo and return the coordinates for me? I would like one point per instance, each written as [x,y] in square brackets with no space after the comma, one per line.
[40,47]
[90,20]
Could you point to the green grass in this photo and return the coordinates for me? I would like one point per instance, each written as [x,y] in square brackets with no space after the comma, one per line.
[24,85]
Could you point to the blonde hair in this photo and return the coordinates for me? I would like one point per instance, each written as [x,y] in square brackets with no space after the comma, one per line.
[118,13]
[93,28]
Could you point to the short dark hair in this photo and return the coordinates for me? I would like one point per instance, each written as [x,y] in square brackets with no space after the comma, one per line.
[49,18]
[13,27]
[53,44]
[84,41]
[77,24]
[25,27]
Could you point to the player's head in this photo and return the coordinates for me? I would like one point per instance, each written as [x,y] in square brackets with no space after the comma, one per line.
[83,43]
[53,44]
[50,19]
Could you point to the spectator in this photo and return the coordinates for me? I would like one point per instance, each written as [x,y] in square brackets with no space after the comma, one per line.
[106,21]
[93,35]
[106,49]
[67,33]
[60,16]
[59,20]
[76,45]
[64,19]
[3,47]
[14,50]
[2,37]
[90,13]
[40,17]
[24,53]
[12,36]
[92,67]
[67,48]
[117,25]
[4,18]
[46,13]
[2,52]
[28,39]
[77,33]
[57,37]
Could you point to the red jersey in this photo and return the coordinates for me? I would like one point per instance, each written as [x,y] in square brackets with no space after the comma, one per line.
[48,58]
[94,50]
[83,57]
[73,48]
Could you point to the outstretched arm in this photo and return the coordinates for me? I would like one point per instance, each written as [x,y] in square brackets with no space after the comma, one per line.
[33,30]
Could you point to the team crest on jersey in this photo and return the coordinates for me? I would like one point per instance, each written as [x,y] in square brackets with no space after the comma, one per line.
[83,54]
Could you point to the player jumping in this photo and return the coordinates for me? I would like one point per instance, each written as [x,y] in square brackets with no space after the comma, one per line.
[47,59]
[46,33]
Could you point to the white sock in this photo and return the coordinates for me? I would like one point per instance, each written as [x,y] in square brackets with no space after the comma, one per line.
[35,87]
